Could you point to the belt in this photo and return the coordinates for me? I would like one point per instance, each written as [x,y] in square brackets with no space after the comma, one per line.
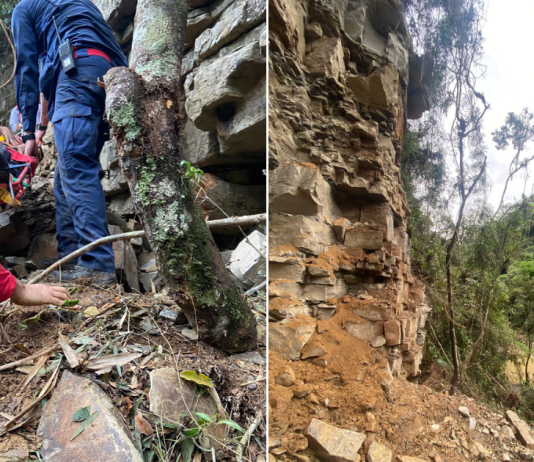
[82,53]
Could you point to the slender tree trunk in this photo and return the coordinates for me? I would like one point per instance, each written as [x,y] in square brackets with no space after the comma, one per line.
[143,109]
[528,357]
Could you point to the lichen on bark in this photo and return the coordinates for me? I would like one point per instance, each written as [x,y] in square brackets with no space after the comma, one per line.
[147,130]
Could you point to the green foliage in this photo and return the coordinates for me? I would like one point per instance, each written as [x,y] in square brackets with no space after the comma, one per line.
[189,171]
[440,28]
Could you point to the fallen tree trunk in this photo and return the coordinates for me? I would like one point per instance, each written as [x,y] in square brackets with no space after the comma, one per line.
[142,108]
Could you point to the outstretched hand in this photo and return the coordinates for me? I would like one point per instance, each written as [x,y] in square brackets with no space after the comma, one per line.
[38,294]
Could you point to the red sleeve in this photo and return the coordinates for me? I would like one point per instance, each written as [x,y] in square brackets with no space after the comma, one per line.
[7,284]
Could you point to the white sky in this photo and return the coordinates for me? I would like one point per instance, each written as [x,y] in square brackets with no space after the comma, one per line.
[508,84]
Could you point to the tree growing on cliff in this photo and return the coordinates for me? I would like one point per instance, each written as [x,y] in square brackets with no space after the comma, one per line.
[469,107]
[142,107]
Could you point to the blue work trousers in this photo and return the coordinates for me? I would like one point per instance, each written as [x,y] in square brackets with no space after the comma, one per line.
[79,133]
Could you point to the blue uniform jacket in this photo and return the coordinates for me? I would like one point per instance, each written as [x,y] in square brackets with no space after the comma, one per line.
[36,40]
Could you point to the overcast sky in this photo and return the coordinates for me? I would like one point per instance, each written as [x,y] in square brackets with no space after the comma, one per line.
[509,82]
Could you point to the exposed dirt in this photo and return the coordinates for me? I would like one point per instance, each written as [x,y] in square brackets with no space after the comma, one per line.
[355,392]
[238,380]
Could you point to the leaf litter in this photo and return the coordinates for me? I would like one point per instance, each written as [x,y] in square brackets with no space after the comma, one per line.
[104,336]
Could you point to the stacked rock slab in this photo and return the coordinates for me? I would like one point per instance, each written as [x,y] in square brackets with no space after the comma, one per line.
[341,90]
[224,99]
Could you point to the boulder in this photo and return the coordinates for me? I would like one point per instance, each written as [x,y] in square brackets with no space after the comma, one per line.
[289,25]
[288,338]
[392,332]
[125,262]
[238,18]
[175,399]
[235,199]
[332,444]
[14,233]
[286,378]
[326,58]
[122,204]
[149,279]
[199,147]
[524,434]
[106,435]
[244,129]
[301,189]
[246,263]
[282,271]
[363,238]
[379,90]
[117,13]
[378,453]
[284,229]
[213,88]
[114,181]
[366,331]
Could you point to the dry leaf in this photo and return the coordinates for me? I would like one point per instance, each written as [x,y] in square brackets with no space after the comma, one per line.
[91,311]
[142,425]
[104,364]
[35,369]
[70,354]
[169,104]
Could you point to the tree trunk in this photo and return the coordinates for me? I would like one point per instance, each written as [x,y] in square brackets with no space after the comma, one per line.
[143,110]
[528,357]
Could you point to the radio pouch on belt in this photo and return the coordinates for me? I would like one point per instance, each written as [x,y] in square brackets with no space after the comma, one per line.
[66,53]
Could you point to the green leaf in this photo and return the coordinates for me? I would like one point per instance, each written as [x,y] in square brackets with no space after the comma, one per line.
[81,414]
[200,379]
[232,424]
[70,303]
[191,432]
[85,424]
[187,447]
[203,417]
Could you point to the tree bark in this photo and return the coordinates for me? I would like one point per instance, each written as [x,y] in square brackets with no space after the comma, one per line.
[143,110]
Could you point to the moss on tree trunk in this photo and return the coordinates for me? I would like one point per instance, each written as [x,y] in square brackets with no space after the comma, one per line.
[142,107]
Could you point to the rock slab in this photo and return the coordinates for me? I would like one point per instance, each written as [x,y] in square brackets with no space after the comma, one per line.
[378,453]
[332,444]
[106,435]
[523,431]
[173,398]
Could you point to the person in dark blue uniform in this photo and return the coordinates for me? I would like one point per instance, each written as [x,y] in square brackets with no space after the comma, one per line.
[75,104]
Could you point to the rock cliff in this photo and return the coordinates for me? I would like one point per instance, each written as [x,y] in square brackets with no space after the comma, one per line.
[343,81]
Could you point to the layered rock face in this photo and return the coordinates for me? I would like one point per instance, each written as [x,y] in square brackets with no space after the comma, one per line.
[343,81]
[224,98]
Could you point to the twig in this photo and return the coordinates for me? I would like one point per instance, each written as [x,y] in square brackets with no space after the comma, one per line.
[29,358]
[246,437]
[258,287]
[232,222]
[49,386]
[14,56]
[85,249]
[135,234]
[261,379]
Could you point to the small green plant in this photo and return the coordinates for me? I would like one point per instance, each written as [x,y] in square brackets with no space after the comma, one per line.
[191,172]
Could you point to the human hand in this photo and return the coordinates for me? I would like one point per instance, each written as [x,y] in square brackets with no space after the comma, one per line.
[38,294]
[31,149]
[39,137]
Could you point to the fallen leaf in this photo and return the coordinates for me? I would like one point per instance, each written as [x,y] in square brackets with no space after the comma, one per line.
[169,104]
[70,354]
[104,364]
[85,424]
[34,371]
[81,414]
[142,425]
[200,379]
[22,348]
[91,311]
